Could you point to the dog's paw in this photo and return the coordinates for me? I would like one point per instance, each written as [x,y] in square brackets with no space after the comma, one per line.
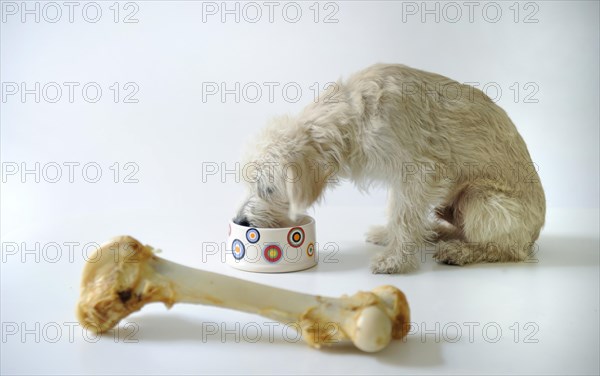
[442,233]
[377,235]
[434,237]
[452,252]
[390,262]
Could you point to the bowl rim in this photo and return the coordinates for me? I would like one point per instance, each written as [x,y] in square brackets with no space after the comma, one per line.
[303,217]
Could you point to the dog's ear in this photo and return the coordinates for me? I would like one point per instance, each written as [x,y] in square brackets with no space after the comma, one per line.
[303,183]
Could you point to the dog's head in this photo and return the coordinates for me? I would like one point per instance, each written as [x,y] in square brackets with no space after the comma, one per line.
[282,174]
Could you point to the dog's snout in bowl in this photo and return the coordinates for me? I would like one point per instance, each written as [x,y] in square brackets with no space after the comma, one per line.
[242,221]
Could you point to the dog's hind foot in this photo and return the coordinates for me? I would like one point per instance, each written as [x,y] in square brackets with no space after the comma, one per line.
[444,232]
[458,252]
[452,253]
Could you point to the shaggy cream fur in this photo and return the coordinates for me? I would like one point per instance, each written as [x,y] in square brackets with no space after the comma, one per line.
[459,175]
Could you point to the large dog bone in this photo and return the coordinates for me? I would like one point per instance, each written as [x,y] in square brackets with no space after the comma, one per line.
[124,275]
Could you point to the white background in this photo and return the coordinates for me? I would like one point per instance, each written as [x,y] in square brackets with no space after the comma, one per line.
[170,55]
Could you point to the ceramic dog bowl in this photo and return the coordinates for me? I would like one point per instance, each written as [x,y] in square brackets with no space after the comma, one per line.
[272,250]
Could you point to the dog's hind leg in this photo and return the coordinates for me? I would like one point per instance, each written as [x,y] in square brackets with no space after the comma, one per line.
[446,231]
[494,224]
[443,226]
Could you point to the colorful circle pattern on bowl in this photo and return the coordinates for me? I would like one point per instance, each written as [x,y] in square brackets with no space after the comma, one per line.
[252,235]
[238,249]
[296,237]
[310,250]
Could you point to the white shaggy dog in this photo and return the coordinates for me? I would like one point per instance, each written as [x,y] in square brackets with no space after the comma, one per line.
[459,175]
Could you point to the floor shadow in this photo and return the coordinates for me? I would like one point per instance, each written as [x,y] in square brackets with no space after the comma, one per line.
[548,251]
[165,328]
[175,328]
[561,251]
[410,352]
[333,258]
